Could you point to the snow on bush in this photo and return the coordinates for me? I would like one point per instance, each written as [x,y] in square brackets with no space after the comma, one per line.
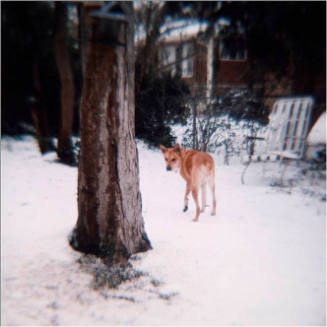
[225,136]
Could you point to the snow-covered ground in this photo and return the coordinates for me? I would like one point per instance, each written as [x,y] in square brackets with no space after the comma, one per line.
[260,261]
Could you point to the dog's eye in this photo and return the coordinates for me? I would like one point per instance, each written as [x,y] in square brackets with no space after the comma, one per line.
[173,159]
[166,159]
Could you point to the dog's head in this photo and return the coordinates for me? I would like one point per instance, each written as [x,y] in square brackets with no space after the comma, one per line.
[173,156]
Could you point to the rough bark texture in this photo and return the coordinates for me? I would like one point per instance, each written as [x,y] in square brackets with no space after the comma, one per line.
[65,151]
[110,222]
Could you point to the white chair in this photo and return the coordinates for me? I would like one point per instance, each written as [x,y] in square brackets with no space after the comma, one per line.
[286,133]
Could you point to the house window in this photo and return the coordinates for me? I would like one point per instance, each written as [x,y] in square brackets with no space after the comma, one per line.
[232,49]
[168,58]
[187,63]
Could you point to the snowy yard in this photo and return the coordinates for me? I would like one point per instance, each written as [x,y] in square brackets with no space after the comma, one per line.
[261,260]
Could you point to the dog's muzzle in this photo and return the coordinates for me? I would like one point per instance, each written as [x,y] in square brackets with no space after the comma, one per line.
[168,168]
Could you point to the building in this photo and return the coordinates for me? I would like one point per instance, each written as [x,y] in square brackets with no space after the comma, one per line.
[209,66]
[213,66]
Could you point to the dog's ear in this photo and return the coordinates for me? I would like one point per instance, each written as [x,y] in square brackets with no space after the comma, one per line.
[177,148]
[163,148]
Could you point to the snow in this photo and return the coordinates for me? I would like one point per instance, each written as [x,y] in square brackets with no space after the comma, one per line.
[177,30]
[317,134]
[260,261]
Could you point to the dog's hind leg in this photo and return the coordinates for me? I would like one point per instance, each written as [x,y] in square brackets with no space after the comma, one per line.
[187,192]
[204,196]
[195,194]
[213,193]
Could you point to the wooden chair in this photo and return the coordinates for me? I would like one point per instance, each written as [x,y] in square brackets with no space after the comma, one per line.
[286,135]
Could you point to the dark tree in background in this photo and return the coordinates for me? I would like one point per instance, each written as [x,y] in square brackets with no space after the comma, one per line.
[276,32]
[29,79]
[67,87]
[39,110]
[32,71]
[110,222]
[283,37]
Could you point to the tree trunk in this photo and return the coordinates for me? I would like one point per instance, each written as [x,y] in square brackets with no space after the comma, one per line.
[40,113]
[81,35]
[64,150]
[110,222]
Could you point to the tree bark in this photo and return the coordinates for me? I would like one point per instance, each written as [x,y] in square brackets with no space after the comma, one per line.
[110,222]
[64,149]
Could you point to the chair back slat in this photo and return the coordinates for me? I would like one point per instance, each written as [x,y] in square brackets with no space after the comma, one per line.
[288,126]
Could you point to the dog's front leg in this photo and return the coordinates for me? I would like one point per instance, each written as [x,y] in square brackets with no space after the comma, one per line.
[188,190]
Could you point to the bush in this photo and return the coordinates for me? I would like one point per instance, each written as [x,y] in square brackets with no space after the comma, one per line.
[242,104]
[159,103]
[215,122]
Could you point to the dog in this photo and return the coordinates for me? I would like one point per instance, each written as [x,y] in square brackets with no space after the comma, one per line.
[198,170]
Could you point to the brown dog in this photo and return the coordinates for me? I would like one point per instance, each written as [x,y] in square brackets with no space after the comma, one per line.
[198,170]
